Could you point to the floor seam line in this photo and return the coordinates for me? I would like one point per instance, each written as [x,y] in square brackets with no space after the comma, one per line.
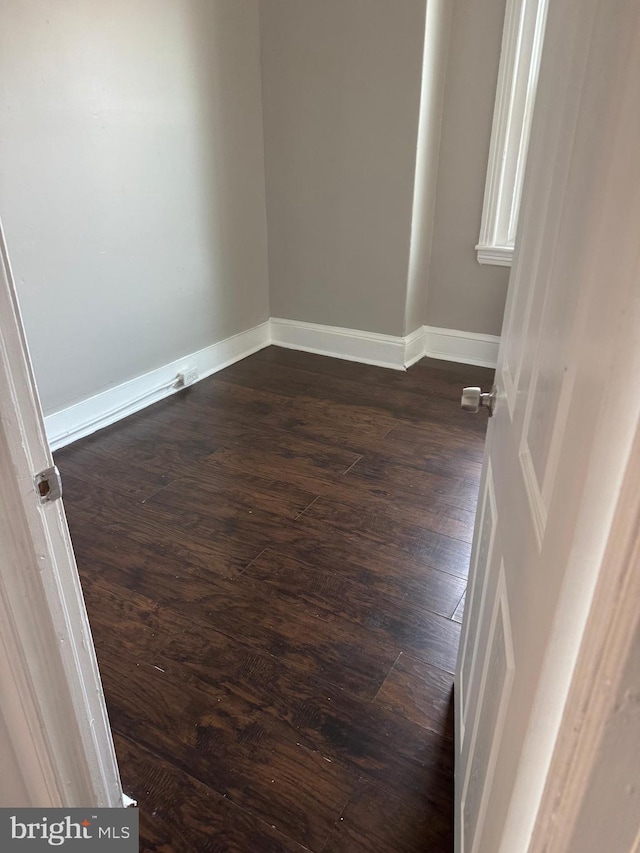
[344,473]
[385,679]
[242,808]
[458,605]
[257,557]
[307,507]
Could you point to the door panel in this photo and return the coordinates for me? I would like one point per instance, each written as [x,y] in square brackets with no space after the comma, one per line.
[477,594]
[538,537]
[490,715]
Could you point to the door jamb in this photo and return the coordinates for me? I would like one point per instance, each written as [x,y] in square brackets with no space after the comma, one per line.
[52,704]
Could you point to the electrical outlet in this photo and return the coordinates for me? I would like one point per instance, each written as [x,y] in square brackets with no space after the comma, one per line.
[187,377]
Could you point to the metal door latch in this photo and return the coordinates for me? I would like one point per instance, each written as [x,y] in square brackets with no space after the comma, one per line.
[48,485]
[473,399]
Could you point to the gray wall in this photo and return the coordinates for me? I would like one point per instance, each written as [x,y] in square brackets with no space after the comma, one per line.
[436,52]
[131,182]
[462,294]
[341,90]
[132,174]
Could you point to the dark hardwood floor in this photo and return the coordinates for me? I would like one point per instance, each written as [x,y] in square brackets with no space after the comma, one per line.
[274,566]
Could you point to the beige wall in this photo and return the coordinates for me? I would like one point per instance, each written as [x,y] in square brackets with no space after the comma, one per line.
[131,182]
[462,294]
[341,89]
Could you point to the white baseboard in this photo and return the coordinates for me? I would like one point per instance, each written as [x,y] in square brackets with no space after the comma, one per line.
[109,406]
[463,347]
[387,350]
[414,347]
[397,353]
[348,344]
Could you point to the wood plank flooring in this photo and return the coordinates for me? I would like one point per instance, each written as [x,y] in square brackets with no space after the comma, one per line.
[274,563]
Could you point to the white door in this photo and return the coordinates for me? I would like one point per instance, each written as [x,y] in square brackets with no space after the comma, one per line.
[55,740]
[560,438]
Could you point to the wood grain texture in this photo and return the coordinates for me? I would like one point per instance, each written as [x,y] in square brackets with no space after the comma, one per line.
[175,799]
[274,564]
[420,692]
[356,592]
[377,822]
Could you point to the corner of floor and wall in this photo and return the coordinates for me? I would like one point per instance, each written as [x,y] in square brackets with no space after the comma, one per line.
[240,175]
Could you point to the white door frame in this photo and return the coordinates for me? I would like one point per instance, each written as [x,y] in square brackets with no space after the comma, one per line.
[54,731]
